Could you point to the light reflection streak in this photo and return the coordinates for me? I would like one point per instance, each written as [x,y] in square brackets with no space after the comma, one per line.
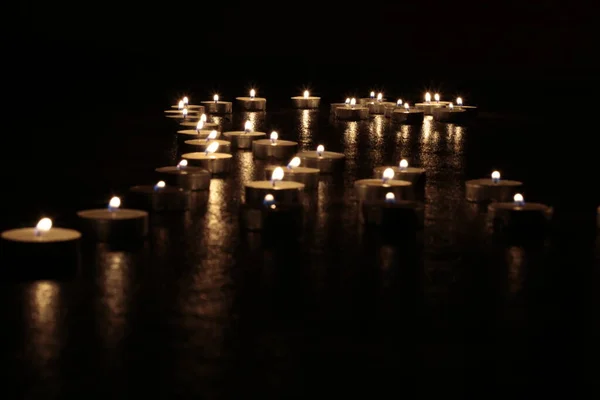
[376,139]
[246,170]
[256,119]
[43,315]
[515,262]
[217,201]
[351,148]
[305,130]
[114,287]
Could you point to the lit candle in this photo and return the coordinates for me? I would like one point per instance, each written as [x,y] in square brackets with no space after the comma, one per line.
[218,107]
[372,95]
[320,150]
[325,161]
[185,176]
[306,94]
[459,101]
[43,226]
[402,172]
[347,101]
[352,102]
[274,137]
[180,105]
[243,139]
[306,101]
[495,176]
[199,125]
[211,148]
[307,176]
[212,135]
[209,159]
[398,102]
[390,197]
[406,106]
[216,98]
[387,175]
[294,163]
[186,101]
[403,164]
[519,200]
[252,94]
[277,175]
[248,127]
[184,112]
[451,106]
[428,97]
[182,164]
[203,118]
[437,97]
[252,103]
[273,148]
[379,97]
[114,224]
[160,185]
[114,203]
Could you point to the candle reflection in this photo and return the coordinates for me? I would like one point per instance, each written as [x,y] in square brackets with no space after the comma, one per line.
[247,170]
[43,320]
[114,287]
[376,142]
[217,201]
[351,149]
[256,119]
[515,262]
[305,138]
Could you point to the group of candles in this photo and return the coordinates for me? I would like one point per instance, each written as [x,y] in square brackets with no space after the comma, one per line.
[391,199]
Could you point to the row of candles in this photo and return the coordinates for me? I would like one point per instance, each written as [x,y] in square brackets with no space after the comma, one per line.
[392,198]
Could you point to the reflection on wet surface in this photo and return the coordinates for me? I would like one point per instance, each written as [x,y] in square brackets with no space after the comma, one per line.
[204,309]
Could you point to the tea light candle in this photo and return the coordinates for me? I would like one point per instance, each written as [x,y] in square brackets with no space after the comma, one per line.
[449,114]
[185,176]
[273,148]
[252,103]
[518,218]
[408,116]
[215,163]
[428,106]
[114,224]
[372,99]
[325,161]
[41,252]
[159,197]
[201,124]
[217,106]
[402,171]
[393,216]
[373,189]
[283,192]
[352,112]
[306,101]
[390,107]
[183,115]
[272,216]
[189,134]
[202,144]
[494,189]
[470,111]
[334,106]
[294,172]
[185,104]
[243,139]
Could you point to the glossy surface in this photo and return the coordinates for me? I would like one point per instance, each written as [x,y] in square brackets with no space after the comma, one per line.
[205,310]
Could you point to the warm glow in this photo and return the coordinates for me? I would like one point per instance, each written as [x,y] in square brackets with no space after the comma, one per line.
[459,101]
[277,174]
[427,97]
[306,94]
[185,112]
[399,102]
[390,197]
[182,164]
[274,136]
[436,97]
[320,149]
[406,106]
[252,93]
[518,198]
[353,101]
[44,225]
[347,100]
[212,135]
[216,98]
[185,100]
[379,96]
[451,106]
[294,162]
[495,175]
[180,104]
[388,173]
[403,164]
[269,198]
[372,94]
[248,126]
[211,148]
[115,202]
[160,184]
[200,124]
[203,118]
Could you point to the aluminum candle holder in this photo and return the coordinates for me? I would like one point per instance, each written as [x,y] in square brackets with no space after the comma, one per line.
[326,162]
[185,176]
[218,106]
[518,219]
[263,149]
[306,101]
[494,189]
[252,103]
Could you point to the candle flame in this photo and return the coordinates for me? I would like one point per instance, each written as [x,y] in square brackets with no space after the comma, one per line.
[114,202]
[388,174]
[160,184]
[372,94]
[347,100]
[212,147]
[518,198]
[403,164]
[180,104]
[496,175]
[436,97]
[185,112]
[277,174]
[459,101]
[390,197]
[451,106]
[294,162]
[406,106]
[320,149]
[399,102]
[212,135]
[274,136]
[200,125]
[44,225]
[306,94]
[203,118]
[185,100]
[379,96]
[216,98]
[182,164]
[248,126]
[252,93]
[353,101]
[427,97]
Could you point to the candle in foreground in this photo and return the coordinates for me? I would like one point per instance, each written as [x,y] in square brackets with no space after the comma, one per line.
[294,172]
[113,223]
[494,189]
[252,103]
[217,106]
[40,252]
[393,216]
[404,172]
[373,189]
[243,139]
[215,163]
[306,101]
[185,176]
[519,219]
[159,197]
[407,116]
[284,192]
[273,148]
[325,161]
